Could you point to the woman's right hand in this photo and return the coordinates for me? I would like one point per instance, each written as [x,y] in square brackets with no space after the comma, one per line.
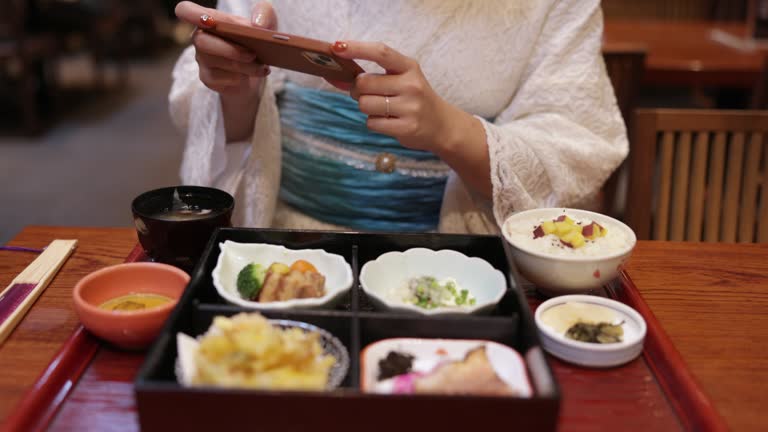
[230,69]
[227,68]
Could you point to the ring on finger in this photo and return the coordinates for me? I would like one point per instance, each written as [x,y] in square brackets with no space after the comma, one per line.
[386,101]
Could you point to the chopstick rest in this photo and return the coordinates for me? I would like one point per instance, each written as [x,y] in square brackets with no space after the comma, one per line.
[19,296]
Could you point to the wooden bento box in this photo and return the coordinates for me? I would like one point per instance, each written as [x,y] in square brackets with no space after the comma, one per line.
[164,404]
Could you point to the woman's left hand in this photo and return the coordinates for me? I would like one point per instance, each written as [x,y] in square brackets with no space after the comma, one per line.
[400,103]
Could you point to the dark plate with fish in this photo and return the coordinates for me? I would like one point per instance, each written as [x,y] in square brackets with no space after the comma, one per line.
[357,322]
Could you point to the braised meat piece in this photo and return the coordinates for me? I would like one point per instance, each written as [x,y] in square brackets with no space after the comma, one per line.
[291,285]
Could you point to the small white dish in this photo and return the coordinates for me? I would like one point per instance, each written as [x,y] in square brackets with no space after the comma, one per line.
[566,272]
[385,276]
[594,354]
[428,353]
[234,256]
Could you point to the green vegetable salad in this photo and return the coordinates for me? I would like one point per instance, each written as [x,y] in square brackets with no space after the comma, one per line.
[427,293]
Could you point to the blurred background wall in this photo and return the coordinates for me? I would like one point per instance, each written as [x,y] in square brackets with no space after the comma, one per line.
[84,124]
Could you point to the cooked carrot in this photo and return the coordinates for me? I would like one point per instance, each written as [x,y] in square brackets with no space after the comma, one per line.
[303,266]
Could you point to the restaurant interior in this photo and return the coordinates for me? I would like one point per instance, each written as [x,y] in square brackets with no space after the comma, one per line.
[85,128]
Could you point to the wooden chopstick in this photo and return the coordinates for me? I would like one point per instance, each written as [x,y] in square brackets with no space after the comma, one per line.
[19,296]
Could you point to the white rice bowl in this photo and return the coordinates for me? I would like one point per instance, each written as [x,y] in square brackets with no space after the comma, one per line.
[558,269]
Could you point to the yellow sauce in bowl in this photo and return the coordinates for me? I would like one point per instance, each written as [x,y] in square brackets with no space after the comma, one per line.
[135,302]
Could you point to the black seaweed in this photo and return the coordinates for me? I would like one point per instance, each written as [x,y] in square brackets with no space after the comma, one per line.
[595,333]
[394,364]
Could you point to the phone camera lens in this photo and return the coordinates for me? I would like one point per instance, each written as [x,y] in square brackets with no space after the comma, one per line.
[321,60]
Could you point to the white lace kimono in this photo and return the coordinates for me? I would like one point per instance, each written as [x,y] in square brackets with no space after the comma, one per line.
[533,66]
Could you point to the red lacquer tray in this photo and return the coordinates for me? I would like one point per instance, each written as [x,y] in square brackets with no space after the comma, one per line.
[89,386]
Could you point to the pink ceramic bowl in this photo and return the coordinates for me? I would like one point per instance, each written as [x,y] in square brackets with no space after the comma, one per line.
[135,329]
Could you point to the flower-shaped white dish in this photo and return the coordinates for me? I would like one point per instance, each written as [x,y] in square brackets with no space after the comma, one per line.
[234,256]
[556,269]
[187,346]
[430,353]
[384,279]
[589,354]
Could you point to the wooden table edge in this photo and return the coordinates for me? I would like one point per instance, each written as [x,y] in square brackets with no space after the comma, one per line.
[686,395]
[677,381]
[40,404]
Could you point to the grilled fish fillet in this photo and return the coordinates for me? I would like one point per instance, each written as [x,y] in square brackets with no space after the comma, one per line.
[473,375]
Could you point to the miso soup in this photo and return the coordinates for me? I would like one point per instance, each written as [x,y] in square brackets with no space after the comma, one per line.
[183,214]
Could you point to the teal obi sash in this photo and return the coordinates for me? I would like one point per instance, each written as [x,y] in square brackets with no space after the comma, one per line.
[329,167]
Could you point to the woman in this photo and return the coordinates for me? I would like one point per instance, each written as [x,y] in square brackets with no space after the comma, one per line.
[469,112]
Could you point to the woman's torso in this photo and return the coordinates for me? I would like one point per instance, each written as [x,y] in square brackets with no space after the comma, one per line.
[472,52]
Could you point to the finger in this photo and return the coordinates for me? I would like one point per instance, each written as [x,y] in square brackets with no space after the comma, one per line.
[388,58]
[263,15]
[392,126]
[191,13]
[220,78]
[375,84]
[244,68]
[377,106]
[213,45]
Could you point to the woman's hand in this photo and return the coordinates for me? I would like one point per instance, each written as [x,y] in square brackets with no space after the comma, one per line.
[226,67]
[403,105]
[400,103]
[229,69]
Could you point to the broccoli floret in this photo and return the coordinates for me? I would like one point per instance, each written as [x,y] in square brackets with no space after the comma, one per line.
[250,279]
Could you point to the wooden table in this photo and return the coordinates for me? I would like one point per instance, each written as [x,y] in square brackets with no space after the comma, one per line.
[711,299]
[684,52]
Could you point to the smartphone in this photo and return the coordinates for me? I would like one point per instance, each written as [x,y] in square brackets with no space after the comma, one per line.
[289,51]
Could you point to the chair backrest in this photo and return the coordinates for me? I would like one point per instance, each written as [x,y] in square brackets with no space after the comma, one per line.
[730,10]
[699,175]
[625,65]
[735,10]
[760,92]
[661,9]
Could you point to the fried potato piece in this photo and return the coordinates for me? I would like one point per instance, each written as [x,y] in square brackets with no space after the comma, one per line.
[247,351]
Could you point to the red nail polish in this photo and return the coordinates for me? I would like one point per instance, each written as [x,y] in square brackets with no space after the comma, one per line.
[207,21]
[340,46]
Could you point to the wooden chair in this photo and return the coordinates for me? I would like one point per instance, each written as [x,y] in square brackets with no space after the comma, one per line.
[625,65]
[760,92]
[677,9]
[729,10]
[26,63]
[699,175]
[112,31]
